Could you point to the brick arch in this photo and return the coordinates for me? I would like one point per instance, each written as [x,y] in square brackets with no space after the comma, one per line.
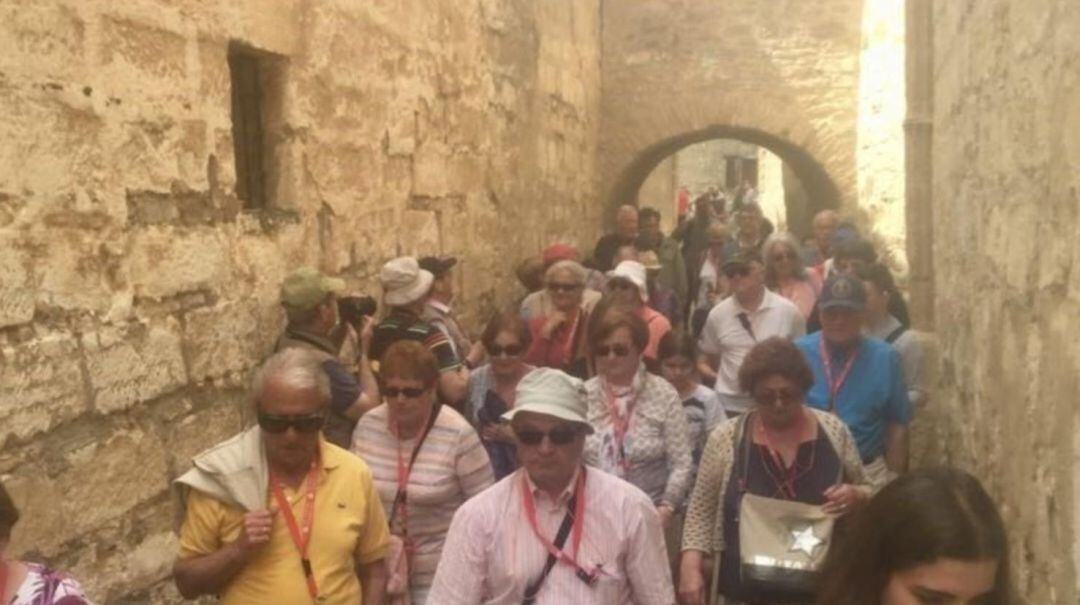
[821,190]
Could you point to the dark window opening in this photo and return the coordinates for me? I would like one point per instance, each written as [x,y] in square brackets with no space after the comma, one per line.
[257,80]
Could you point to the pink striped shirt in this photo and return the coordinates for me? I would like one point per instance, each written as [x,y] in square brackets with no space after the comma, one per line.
[491,552]
[451,467]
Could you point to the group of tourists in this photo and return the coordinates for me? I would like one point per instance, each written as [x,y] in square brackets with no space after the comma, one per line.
[716,416]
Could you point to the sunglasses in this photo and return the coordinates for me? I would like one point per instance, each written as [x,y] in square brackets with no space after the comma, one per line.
[510,350]
[736,272]
[558,436]
[617,350]
[767,397]
[303,423]
[621,285]
[554,287]
[408,392]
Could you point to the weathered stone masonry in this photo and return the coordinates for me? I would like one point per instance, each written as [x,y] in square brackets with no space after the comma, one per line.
[135,291]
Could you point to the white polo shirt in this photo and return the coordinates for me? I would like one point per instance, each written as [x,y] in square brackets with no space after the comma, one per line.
[725,337]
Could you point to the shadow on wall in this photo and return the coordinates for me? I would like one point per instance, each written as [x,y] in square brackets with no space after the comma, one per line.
[820,190]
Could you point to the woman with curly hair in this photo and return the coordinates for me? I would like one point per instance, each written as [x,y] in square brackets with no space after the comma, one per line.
[779,450]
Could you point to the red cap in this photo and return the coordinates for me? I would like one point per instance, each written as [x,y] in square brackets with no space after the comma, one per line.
[559,251]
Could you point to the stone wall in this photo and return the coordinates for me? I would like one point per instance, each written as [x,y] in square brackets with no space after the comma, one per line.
[135,292]
[1006,198]
[781,74]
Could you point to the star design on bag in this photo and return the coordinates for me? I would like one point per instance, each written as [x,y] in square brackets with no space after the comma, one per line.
[804,540]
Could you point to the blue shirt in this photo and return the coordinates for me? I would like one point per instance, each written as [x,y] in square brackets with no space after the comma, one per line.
[872,397]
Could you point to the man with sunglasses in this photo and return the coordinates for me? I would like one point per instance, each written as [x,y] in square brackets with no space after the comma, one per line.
[750,315]
[277,514]
[556,531]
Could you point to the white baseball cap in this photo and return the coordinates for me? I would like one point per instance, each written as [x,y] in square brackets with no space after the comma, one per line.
[634,272]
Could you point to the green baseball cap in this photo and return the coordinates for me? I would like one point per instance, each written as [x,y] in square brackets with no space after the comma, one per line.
[307,287]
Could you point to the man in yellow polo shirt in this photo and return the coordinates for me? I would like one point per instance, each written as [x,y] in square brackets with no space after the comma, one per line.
[278,515]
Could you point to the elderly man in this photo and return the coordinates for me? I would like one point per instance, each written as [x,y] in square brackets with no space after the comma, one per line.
[406,289]
[859,379]
[626,232]
[672,272]
[751,314]
[824,224]
[439,313]
[310,302]
[556,531]
[277,514]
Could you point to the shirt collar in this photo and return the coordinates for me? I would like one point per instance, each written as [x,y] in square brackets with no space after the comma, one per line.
[439,306]
[317,340]
[767,301]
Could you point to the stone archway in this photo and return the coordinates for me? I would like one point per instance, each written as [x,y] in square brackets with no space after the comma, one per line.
[821,191]
[783,75]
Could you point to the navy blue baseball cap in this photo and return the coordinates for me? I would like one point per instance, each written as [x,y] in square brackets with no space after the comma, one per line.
[843,291]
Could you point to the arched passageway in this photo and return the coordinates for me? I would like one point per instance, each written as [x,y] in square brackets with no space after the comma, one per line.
[817,189]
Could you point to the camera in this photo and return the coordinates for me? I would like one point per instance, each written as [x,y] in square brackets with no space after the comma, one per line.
[353,309]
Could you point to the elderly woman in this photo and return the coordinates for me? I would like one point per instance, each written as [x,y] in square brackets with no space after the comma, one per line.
[558,336]
[426,459]
[780,450]
[30,583]
[786,275]
[628,289]
[641,431]
[491,387]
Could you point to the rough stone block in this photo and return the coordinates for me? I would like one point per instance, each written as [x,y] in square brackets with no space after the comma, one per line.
[41,38]
[16,293]
[115,476]
[221,340]
[40,386]
[133,363]
[167,261]
[78,272]
[150,50]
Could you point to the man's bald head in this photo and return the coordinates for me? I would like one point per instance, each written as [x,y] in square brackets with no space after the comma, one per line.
[626,223]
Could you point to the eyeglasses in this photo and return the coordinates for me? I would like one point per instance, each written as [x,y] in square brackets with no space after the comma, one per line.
[616,350]
[733,272]
[408,392]
[556,287]
[558,436]
[303,423]
[510,350]
[785,396]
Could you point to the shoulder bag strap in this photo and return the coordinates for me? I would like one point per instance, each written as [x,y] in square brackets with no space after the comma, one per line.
[399,497]
[560,539]
[897,333]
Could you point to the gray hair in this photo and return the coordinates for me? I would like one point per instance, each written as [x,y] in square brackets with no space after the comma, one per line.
[787,239]
[574,268]
[296,367]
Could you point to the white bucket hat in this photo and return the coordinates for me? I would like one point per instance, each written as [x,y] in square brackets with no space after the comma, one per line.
[634,272]
[552,393]
[403,281]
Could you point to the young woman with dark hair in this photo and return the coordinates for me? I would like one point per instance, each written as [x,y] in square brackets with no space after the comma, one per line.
[932,536]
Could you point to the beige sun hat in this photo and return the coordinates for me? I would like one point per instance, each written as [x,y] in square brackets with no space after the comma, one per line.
[404,282]
[553,393]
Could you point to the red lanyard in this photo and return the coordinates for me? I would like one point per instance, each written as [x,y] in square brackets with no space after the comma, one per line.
[838,383]
[789,474]
[620,423]
[568,352]
[301,537]
[576,530]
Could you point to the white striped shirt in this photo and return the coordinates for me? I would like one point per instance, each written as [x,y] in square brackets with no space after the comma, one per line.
[491,552]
